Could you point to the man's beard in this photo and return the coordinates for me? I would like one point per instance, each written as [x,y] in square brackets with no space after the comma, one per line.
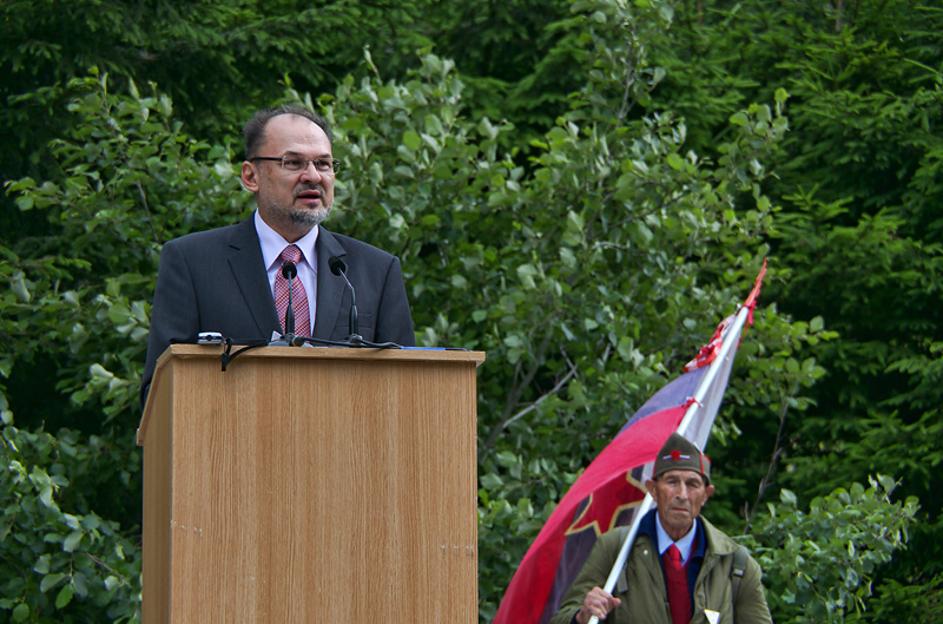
[303,218]
[308,217]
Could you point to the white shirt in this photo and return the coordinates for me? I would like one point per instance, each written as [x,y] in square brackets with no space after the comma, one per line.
[684,544]
[273,244]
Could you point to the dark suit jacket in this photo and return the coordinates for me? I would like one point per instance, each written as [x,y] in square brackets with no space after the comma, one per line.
[216,281]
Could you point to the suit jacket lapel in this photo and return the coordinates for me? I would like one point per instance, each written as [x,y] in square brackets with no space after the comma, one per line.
[331,288]
[245,260]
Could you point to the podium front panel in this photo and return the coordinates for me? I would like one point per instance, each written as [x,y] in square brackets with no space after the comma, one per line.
[310,487]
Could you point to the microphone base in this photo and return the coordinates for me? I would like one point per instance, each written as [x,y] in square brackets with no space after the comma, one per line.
[286,340]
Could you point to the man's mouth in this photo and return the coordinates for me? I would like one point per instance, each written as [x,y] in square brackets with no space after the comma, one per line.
[309,196]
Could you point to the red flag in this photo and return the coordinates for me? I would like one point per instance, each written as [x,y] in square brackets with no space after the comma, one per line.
[610,488]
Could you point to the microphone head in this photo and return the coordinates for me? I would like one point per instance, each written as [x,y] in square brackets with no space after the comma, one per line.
[337,265]
[289,270]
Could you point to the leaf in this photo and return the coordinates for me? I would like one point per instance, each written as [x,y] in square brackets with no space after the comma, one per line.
[739,119]
[42,565]
[887,483]
[526,273]
[65,596]
[78,581]
[514,341]
[71,542]
[642,233]
[434,125]
[486,128]
[21,612]
[412,140]
[491,481]
[397,221]
[45,496]
[507,459]
[50,580]
[19,287]
[788,497]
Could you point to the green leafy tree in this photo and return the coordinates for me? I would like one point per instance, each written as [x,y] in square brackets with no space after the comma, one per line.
[61,561]
[857,180]
[589,248]
[822,561]
[130,180]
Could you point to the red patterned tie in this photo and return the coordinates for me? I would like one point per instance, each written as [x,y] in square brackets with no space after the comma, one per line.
[677,581]
[299,298]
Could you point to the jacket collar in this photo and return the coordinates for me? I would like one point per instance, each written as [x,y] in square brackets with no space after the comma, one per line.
[248,269]
[719,543]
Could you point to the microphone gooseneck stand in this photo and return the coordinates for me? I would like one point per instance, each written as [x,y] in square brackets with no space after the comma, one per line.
[289,339]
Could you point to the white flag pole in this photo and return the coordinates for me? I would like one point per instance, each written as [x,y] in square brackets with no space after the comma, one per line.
[731,337]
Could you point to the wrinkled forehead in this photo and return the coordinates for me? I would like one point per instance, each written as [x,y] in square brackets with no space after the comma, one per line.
[295,134]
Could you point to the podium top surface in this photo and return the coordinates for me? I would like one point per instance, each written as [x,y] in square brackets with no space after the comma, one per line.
[211,352]
[409,354]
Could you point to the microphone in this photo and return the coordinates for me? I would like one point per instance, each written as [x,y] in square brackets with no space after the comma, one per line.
[289,272]
[339,267]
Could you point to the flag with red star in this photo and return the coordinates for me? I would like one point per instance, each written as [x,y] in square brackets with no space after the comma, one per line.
[612,486]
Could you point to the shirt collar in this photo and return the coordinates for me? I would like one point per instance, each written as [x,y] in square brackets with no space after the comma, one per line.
[683,544]
[273,243]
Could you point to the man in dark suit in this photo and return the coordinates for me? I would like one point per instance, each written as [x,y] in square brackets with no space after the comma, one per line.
[227,280]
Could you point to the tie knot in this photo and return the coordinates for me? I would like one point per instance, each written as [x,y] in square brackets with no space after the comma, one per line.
[291,253]
[674,555]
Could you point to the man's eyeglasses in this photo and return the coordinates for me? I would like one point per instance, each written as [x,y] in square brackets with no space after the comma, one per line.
[290,162]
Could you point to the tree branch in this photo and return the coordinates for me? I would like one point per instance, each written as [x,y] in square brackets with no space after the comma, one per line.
[147,209]
[530,408]
[528,377]
[767,479]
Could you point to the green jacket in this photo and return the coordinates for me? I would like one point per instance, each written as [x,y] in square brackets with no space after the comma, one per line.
[641,587]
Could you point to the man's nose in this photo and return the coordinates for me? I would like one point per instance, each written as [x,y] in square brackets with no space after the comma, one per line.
[310,172]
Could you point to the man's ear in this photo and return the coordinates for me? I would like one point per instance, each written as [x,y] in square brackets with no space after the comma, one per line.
[650,487]
[710,492]
[249,177]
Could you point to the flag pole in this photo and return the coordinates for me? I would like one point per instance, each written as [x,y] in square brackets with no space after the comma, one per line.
[732,332]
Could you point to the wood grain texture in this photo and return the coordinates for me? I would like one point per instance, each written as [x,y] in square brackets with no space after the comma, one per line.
[312,485]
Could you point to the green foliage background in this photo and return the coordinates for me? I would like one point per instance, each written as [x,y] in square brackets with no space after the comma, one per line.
[582,189]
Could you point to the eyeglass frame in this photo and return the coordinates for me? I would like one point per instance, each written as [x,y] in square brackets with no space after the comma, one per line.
[334,164]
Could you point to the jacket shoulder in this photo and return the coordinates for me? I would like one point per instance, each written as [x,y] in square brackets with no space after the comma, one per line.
[720,542]
[206,237]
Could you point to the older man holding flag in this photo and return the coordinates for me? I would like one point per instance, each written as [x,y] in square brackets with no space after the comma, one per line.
[681,569]
[611,493]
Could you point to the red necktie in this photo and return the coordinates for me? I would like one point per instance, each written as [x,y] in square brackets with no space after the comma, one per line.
[299,298]
[676,577]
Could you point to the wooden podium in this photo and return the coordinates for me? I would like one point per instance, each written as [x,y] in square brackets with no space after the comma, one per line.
[310,485]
